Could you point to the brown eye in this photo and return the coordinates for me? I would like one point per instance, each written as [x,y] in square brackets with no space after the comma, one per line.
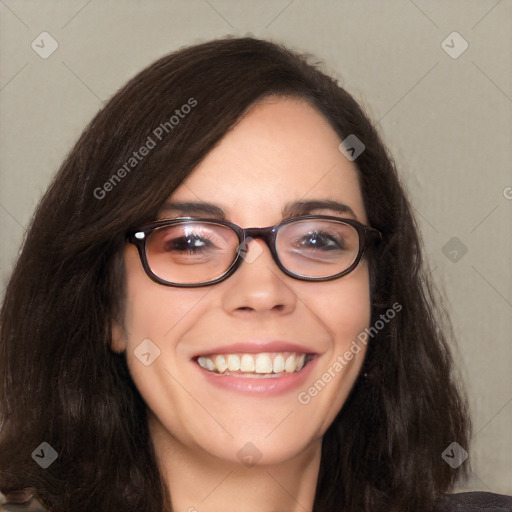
[321,241]
[189,243]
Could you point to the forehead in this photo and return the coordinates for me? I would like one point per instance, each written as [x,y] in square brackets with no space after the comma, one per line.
[283,150]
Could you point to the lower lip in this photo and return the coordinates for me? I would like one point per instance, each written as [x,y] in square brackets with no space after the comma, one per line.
[266,386]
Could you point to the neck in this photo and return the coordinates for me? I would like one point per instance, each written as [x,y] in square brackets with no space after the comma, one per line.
[198,481]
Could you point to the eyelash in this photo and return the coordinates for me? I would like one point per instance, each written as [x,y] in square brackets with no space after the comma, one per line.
[191,250]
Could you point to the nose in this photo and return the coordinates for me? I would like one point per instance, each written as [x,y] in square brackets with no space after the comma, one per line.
[258,285]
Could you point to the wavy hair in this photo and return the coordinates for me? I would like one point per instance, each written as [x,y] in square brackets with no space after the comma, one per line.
[61,383]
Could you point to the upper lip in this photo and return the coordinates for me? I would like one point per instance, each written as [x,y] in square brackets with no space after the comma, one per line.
[257,346]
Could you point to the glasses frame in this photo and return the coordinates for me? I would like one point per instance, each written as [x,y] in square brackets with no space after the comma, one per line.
[138,237]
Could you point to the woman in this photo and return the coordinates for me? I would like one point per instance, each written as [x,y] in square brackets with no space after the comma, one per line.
[161,351]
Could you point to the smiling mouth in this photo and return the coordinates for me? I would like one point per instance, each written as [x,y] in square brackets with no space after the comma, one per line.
[261,365]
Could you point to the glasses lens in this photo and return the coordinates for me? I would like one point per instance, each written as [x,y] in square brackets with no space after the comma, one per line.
[191,252]
[317,248]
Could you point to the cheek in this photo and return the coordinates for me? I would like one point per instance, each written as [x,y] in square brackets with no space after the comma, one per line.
[158,320]
[151,309]
[155,318]
[344,305]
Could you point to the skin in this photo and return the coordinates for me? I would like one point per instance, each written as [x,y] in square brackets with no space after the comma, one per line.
[283,150]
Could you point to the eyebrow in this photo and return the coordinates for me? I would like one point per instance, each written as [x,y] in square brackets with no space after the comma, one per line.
[292,209]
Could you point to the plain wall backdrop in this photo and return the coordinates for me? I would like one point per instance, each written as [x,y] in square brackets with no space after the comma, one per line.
[435,76]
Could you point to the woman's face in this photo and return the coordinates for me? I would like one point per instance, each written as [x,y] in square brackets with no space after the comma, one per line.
[283,151]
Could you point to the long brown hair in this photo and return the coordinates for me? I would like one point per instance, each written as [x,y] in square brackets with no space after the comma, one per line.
[61,383]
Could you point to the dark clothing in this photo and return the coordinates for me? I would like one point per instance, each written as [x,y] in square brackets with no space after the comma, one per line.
[462,502]
[475,501]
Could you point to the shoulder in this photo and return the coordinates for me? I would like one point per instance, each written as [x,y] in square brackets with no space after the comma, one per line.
[16,504]
[461,502]
[475,502]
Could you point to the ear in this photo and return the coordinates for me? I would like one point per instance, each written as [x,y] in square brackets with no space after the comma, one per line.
[118,338]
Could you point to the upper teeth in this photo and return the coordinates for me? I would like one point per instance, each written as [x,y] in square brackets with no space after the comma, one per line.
[253,363]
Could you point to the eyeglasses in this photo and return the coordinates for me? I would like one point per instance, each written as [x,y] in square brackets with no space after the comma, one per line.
[190,251]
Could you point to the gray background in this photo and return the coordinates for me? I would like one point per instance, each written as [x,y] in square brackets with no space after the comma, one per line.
[446,120]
